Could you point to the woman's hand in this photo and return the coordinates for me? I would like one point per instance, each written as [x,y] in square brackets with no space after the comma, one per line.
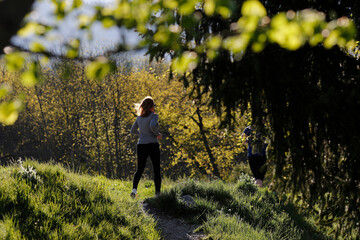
[159,137]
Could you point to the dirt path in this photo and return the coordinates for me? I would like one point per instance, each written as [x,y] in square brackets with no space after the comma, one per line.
[173,228]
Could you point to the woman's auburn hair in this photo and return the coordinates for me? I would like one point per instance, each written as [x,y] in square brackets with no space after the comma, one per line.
[144,108]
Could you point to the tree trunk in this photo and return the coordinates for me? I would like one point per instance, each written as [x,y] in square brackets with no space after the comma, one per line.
[49,151]
[205,141]
[116,129]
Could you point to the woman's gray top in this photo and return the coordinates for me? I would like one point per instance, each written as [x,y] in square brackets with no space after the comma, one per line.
[148,128]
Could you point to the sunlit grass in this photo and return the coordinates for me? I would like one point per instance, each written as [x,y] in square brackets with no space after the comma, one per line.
[44,201]
[236,211]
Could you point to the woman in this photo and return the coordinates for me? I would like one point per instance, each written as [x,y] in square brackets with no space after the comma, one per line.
[148,143]
[257,145]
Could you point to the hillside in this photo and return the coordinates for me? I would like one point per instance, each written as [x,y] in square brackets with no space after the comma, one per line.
[44,201]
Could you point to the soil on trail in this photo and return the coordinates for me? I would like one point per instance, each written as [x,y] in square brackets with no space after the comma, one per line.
[173,228]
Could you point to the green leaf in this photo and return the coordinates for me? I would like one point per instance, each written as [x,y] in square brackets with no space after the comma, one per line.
[253,8]
[209,7]
[9,111]
[108,22]
[257,46]
[225,12]
[162,35]
[187,61]
[14,61]
[311,20]
[37,47]
[171,4]
[85,21]
[72,53]
[76,4]
[316,39]
[332,39]
[5,89]
[28,29]
[74,43]
[248,23]
[187,8]
[214,42]
[288,34]
[60,7]
[211,54]
[238,43]
[99,69]
[29,79]
[123,11]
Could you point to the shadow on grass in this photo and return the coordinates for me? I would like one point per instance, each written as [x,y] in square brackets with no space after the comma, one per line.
[227,210]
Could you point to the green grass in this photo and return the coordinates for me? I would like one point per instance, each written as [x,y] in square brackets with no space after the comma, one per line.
[236,211]
[44,201]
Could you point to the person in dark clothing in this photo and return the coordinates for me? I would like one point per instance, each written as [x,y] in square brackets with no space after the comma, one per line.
[146,126]
[256,154]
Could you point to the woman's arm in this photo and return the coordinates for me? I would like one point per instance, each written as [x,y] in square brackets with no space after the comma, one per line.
[154,125]
[134,128]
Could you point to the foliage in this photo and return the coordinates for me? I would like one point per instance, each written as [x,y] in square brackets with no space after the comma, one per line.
[285,68]
[68,206]
[179,27]
[197,140]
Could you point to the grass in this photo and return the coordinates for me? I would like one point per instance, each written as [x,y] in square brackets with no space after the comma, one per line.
[44,201]
[236,211]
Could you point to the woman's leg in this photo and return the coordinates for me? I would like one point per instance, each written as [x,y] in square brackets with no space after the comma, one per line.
[142,154]
[253,167]
[258,166]
[262,167]
[155,159]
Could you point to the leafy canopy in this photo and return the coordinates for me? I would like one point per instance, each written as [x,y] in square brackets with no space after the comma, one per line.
[171,27]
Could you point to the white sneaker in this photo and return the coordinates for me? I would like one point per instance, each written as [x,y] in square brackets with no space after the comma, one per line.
[133,193]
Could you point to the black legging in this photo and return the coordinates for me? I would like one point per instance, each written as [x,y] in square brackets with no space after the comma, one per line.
[143,152]
[258,166]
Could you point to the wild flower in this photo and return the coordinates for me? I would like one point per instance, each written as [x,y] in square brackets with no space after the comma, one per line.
[246,184]
[29,174]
